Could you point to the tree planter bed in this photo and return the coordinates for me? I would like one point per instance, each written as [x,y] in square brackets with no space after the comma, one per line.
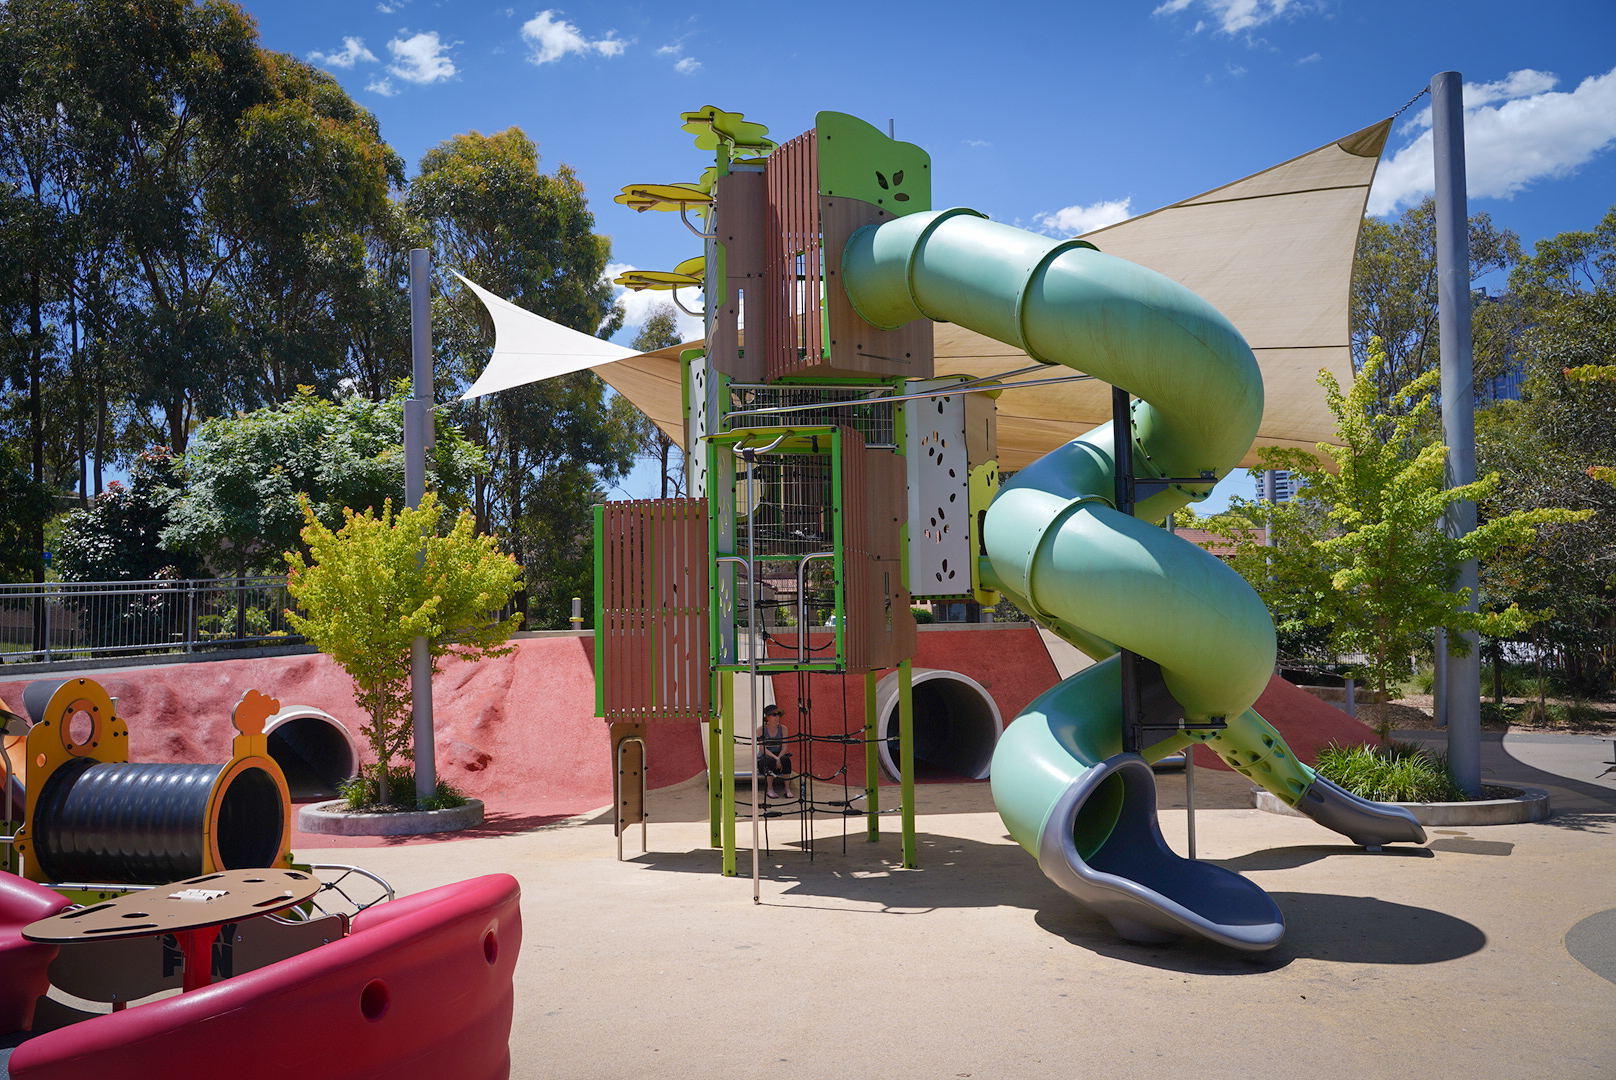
[329,819]
[1526,804]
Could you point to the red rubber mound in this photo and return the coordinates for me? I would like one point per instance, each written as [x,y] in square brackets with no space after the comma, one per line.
[518,732]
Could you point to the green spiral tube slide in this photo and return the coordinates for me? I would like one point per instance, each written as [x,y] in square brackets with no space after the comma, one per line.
[1105,580]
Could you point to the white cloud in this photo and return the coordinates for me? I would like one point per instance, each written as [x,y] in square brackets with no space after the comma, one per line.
[1235,69]
[421,59]
[353,51]
[687,65]
[637,306]
[1517,84]
[553,38]
[1535,133]
[382,86]
[1234,16]
[974,143]
[387,7]
[1077,220]
[1310,58]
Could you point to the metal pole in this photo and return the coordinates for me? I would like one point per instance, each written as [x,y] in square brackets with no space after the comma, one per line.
[417,442]
[1463,683]
[1189,758]
[1189,795]
[1122,456]
[1439,678]
[753,644]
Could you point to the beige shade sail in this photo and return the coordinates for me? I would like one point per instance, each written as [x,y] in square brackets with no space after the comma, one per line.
[1273,252]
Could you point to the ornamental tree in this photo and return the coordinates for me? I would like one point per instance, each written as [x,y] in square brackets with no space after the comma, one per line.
[368,589]
[1378,574]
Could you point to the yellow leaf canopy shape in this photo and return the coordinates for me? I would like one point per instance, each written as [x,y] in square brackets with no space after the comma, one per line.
[643,197]
[712,125]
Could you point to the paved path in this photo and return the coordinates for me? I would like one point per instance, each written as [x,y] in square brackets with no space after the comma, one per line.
[1445,960]
[1585,758]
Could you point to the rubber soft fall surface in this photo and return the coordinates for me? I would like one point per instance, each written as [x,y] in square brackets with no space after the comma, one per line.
[1104,580]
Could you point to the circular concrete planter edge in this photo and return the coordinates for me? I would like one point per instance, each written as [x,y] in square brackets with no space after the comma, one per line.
[321,818]
[1532,804]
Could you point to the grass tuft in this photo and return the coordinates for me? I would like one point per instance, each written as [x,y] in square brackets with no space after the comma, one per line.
[1402,772]
[360,792]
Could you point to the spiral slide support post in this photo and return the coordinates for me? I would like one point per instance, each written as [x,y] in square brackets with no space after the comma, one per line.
[1105,580]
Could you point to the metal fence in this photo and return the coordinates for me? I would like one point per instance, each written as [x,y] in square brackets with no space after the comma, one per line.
[86,619]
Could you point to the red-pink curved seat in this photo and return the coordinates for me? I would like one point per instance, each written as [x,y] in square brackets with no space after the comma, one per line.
[23,963]
[420,989]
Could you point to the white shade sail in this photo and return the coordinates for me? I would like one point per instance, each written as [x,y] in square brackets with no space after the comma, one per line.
[530,348]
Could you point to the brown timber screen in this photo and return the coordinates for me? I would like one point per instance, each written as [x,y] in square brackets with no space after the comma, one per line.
[653,635]
[793,268]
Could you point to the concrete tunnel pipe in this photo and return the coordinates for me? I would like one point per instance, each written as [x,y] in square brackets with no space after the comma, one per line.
[313,749]
[957,725]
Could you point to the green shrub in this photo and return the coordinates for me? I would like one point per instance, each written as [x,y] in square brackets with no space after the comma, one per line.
[1557,715]
[923,615]
[1400,772]
[362,792]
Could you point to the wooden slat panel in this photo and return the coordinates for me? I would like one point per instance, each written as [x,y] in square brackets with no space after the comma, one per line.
[881,626]
[654,634]
[741,221]
[793,320]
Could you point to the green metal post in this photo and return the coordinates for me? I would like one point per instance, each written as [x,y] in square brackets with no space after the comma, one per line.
[726,769]
[715,774]
[872,763]
[839,546]
[906,759]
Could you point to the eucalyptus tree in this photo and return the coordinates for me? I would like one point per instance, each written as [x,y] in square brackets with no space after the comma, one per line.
[1394,298]
[37,208]
[1553,447]
[313,179]
[234,186]
[528,236]
[165,85]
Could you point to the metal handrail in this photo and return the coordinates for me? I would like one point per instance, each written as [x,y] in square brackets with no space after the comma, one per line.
[802,601]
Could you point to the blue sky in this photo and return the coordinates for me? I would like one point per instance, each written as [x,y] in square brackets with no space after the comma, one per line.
[1052,116]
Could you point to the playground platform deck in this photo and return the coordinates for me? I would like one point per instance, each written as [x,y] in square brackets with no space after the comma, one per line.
[1446,960]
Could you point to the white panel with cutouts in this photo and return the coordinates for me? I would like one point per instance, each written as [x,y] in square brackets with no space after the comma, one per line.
[698,400]
[939,492]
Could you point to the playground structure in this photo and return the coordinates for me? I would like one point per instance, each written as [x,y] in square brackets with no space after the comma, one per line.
[834,480]
[360,983]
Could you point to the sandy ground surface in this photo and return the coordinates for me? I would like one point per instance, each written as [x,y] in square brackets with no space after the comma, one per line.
[1448,959]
